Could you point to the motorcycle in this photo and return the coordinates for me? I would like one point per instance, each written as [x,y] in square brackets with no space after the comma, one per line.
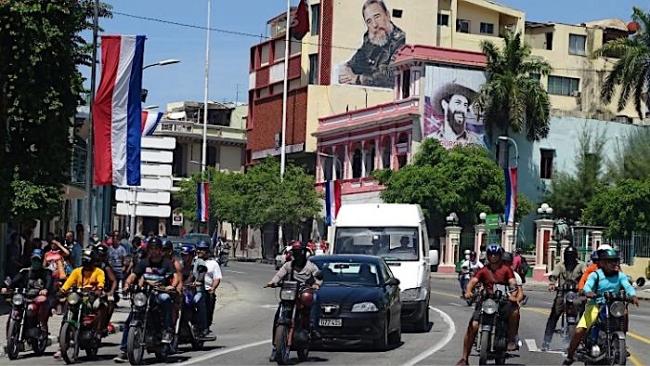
[186,331]
[223,255]
[24,331]
[572,309]
[145,331]
[605,341]
[291,330]
[492,342]
[78,327]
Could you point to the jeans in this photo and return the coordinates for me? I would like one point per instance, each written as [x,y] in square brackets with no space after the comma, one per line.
[200,303]
[165,303]
[211,302]
[125,333]
[556,312]
[463,280]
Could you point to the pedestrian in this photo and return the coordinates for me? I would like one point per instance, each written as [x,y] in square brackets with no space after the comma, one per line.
[75,249]
[124,241]
[116,255]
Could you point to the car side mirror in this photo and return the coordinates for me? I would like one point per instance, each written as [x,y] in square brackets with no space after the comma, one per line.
[433,257]
[392,282]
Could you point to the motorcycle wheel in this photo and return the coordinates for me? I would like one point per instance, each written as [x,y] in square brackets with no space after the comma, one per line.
[303,354]
[197,345]
[134,347]
[500,359]
[485,347]
[39,345]
[13,331]
[619,352]
[91,352]
[162,354]
[280,341]
[68,341]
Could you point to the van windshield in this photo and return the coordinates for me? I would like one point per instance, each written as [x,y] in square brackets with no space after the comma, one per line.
[390,243]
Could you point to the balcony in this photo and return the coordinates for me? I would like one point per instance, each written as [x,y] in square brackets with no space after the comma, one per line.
[195,130]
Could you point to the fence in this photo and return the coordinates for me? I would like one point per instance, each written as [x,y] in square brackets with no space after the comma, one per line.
[466,242]
[638,245]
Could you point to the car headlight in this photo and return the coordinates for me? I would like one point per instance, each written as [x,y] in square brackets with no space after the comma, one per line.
[617,309]
[17,299]
[489,307]
[74,298]
[571,297]
[364,307]
[140,299]
[414,294]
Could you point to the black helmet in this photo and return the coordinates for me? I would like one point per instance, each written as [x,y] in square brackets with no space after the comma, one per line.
[507,257]
[88,257]
[570,253]
[154,242]
[100,250]
[608,254]
[168,245]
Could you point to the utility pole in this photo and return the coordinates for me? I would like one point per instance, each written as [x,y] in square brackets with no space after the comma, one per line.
[283,146]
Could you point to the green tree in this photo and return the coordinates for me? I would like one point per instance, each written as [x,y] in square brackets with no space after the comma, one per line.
[631,72]
[571,193]
[40,49]
[463,180]
[621,208]
[512,98]
[632,158]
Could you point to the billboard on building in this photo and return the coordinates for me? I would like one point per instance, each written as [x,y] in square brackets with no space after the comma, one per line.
[366,38]
[450,106]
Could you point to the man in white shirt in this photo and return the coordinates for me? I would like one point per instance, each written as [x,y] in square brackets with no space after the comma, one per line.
[212,278]
[468,267]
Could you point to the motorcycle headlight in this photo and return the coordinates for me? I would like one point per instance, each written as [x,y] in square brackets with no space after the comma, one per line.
[414,294]
[489,307]
[617,309]
[571,297]
[364,307]
[17,299]
[74,298]
[288,295]
[140,299]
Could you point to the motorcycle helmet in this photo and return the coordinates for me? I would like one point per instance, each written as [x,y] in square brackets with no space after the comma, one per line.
[187,249]
[507,257]
[168,245]
[570,254]
[494,249]
[88,258]
[608,254]
[202,245]
[37,254]
[154,242]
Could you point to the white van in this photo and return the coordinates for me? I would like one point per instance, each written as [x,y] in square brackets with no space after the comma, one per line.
[397,233]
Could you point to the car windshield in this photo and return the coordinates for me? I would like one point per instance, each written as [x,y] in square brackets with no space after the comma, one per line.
[390,243]
[194,238]
[349,273]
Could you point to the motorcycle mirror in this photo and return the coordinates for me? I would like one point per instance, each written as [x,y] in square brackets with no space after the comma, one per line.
[640,281]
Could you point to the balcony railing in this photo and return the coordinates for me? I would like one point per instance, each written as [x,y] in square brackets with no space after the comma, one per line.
[187,128]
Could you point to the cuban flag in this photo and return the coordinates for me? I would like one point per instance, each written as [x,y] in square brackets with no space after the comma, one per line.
[117,112]
[150,122]
[511,194]
[332,200]
[202,201]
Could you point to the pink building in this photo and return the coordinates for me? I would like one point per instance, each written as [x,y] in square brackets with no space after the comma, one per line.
[353,144]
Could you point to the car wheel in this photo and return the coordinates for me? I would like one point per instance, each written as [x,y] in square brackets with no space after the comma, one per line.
[422,323]
[382,342]
[395,338]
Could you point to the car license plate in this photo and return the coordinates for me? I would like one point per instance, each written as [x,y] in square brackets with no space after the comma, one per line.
[330,322]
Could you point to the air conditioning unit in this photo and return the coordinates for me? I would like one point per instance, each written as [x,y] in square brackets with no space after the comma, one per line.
[576,93]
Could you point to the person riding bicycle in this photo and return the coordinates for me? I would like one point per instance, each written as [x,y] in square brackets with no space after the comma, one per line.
[568,271]
[609,278]
[494,275]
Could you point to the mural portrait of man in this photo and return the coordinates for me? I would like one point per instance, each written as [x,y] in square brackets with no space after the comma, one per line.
[369,65]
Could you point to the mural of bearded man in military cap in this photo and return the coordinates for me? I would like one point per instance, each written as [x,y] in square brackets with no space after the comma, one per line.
[454,106]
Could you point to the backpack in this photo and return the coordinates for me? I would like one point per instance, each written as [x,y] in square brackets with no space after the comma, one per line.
[523,268]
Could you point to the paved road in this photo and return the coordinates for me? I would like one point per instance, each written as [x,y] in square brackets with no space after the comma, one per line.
[245,311]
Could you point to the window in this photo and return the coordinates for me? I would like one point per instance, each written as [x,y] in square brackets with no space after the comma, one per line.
[356,163]
[315,19]
[546,163]
[462,25]
[264,54]
[397,13]
[386,153]
[536,76]
[406,84]
[443,19]
[295,47]
[487,28]
[313,69]
[577,44]
[392,243]
[549,40]
[560,85]
[278,53]
[212,156]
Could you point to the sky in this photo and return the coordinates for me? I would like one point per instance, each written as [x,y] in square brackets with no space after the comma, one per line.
[229,56]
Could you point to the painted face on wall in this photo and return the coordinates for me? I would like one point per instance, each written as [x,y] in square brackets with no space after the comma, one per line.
[378,23]
[456,110]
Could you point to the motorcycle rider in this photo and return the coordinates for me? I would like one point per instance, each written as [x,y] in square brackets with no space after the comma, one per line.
[194,271]
[568,271]
[112,298]
[608,278]
[593,267]
[211,280]
[302,271]
[470,265]
[494,274]
[158,272]
[36,276]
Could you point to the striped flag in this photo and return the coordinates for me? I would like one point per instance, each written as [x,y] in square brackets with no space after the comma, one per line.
[202,201]
[511,194]
[117,112]
[150,122]
[332,200]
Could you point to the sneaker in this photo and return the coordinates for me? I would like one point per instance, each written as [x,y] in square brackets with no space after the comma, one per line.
[167,337]
[545,346]
[121,358]
[567,361]
[57,355]
[272,357]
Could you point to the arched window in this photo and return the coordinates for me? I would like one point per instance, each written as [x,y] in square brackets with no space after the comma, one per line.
[339,152]
[369,153]
[386,148]
[327,162]
[356,162]
[402,157]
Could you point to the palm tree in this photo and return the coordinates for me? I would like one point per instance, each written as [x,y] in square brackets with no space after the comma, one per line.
[512,98]
[632,70]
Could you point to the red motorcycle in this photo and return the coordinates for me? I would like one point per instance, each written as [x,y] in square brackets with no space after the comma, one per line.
[23,328]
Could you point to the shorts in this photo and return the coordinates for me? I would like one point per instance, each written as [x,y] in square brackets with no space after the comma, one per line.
[506,309]
[589,316]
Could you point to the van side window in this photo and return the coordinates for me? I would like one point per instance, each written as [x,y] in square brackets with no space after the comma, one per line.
[425,239]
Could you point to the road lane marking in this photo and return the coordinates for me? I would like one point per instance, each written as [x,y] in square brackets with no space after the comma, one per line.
[445,294]
[223,352]
[532,345]
[441,343]
[230,270]
[635,361]
[639,337]
[455,304]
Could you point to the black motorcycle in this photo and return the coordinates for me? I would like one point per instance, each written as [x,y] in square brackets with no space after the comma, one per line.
[186,331]
[24,331]
[605,341]
[492,342]
[145,329]
[78,327]
[291,329]
[572,309]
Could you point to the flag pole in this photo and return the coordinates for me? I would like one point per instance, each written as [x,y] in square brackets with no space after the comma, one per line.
[205,95]
[283,146]
[88,219]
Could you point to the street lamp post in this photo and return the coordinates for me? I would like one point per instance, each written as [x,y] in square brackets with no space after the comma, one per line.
[545,210]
